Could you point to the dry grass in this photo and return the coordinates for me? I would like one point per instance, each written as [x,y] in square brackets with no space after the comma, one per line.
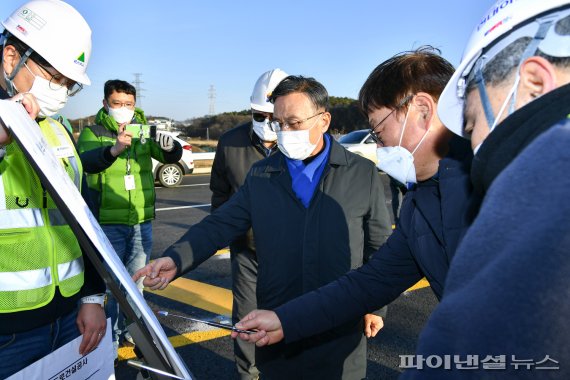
[203,163]
[213,143]
[200,146]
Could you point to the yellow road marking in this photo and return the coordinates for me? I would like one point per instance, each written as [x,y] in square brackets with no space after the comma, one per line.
[198,294]
[197,337]
[126,353]
[423,283]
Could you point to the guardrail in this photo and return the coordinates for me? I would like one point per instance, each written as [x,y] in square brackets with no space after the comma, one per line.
[203,156]
[203,162]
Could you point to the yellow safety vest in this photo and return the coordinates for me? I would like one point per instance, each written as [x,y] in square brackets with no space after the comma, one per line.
[38,250]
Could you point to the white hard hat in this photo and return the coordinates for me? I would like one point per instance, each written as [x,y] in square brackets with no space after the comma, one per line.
[493,32]
[57,32]
[263,89]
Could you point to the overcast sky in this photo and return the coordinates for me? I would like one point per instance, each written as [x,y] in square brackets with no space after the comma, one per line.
[182,47]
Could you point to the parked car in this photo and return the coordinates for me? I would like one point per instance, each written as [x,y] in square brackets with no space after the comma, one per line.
[361,143]
[170,175]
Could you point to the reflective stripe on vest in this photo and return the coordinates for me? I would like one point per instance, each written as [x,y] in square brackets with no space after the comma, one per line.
[65,271]
[38,278]
[23,218]
[28,218]
[56,218]
[25,280]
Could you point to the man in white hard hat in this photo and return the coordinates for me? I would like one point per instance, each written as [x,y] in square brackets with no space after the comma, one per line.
[505,308]
[237,150]
[43,274]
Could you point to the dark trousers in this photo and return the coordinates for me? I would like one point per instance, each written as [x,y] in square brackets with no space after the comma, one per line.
[17,351]
[244,280]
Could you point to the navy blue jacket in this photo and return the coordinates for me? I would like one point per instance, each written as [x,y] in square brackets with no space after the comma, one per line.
[300,249]
[434,217]
[507,297]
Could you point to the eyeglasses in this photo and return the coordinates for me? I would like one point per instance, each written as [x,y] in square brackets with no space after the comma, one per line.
[375,135]
[277,125]
[57,81]
[259,117]
[118,104]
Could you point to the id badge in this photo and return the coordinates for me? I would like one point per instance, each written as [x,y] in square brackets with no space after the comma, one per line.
[63,151]
[129,182]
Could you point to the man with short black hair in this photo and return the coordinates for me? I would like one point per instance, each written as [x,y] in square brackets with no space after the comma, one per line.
[317,211]
[121,181]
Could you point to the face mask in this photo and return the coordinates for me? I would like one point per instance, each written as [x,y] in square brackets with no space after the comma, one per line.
[297,144]
[121,115]
[397,161]
[261,129]
[49,100]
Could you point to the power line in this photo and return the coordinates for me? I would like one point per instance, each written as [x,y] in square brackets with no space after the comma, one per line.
[137,83]
[212,97]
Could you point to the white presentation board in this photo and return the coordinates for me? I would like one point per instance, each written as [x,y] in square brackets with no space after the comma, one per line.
[66,362]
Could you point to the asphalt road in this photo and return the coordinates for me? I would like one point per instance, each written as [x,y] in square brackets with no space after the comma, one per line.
[205,294]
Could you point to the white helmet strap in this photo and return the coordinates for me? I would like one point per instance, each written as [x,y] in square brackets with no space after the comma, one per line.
[544,25]
[9,84]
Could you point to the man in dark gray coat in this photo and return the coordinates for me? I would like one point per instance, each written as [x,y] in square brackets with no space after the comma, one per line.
[317,211]
[237,150]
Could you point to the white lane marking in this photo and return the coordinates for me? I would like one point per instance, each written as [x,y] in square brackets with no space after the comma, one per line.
[197,184]
[182,207]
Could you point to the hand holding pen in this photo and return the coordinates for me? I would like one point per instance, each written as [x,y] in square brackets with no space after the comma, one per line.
[209,323]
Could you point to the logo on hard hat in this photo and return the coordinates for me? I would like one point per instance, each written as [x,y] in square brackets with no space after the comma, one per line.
[21,29]
[500,23]
[268,95]
[494,12]
[81,59]
[32,18]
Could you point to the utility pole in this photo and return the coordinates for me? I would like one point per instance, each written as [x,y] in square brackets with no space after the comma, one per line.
[137,83]
[212,97]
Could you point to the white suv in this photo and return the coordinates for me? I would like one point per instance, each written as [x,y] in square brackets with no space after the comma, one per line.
[361,143]
[170,175]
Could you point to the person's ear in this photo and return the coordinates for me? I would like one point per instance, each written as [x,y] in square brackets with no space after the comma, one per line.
[10,59]
[425,108]
[106,105]
[325,121]
[537,77]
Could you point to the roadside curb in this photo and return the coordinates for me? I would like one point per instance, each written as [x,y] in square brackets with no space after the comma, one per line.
[202,170]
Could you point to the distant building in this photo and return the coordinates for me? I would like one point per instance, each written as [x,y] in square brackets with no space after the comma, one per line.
[161,124]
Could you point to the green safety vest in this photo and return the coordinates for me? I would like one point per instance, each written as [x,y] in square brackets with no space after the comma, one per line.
[38,250]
